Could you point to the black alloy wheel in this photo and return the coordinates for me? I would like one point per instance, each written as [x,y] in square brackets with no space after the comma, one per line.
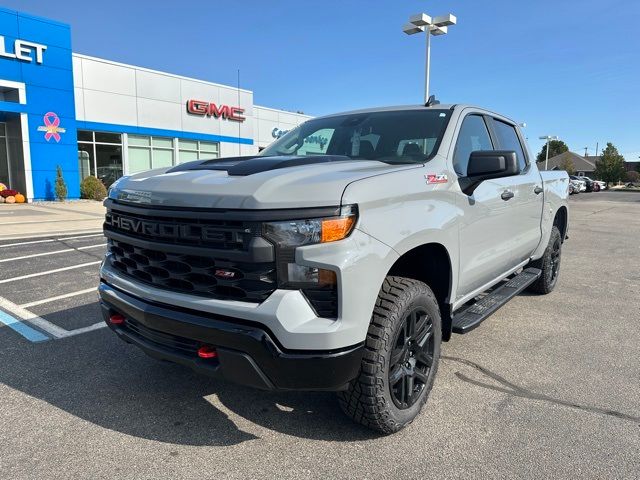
[411,358]
[556,248]
[549,264]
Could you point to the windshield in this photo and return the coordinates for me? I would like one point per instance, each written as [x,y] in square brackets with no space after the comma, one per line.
[409,136]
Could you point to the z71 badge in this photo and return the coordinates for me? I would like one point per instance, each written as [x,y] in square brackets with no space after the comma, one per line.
[436,178]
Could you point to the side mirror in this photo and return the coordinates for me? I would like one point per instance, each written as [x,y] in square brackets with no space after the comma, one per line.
[487,164]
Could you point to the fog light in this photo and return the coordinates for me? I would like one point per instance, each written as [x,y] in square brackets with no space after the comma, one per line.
[116,319]
[310,275]
[301,274]
[207,351]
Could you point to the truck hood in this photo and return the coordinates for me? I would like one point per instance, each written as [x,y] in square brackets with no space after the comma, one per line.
[249,182]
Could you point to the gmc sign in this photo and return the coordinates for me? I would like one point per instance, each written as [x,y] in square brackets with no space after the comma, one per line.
[199,107]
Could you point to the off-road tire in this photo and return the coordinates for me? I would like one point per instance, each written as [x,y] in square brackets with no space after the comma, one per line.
[549,263]
[368,399]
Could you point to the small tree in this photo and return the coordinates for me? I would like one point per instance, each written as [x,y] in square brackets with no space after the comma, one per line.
[556,147]
[610,166]
[61,187]
[568,165]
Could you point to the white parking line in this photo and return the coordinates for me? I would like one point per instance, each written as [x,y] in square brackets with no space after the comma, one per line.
[58,297]
[51,328]
[39,274]
[48,240]
[66,250]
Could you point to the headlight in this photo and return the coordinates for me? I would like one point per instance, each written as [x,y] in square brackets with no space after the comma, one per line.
[318,284]
[113,189]
[296,233]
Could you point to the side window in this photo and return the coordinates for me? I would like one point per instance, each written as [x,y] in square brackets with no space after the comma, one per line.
[473,136]
[508,139]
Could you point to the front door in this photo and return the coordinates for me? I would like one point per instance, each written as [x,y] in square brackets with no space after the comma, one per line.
[485,229]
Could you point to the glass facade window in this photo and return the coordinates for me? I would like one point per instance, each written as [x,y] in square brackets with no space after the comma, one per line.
[4,156]
[195,150]
[100,154]
[146,152]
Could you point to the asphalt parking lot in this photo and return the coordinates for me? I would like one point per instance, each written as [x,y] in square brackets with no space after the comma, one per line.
[547,387]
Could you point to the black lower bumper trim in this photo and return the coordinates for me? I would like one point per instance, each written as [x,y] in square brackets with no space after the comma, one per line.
[247,354]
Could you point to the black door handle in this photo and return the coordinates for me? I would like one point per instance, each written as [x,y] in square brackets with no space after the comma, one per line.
[507,195]
[538,190]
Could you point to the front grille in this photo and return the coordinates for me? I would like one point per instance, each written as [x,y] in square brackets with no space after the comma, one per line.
[184,345]
[199,253]
[203,232]
[194,274]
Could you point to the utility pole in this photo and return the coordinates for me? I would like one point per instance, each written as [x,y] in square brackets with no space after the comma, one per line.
[586,150]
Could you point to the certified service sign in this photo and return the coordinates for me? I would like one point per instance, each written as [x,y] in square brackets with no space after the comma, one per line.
[51,127]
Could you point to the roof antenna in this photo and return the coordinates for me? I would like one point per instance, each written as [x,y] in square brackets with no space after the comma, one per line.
[432,101]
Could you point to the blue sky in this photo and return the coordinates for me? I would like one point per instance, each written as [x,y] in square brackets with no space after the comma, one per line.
[566,67]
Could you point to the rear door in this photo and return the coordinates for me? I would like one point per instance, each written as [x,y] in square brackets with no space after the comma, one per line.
[527,202]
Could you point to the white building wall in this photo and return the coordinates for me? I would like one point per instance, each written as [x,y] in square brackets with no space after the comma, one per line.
[269,121]
[114,93]
[126,95]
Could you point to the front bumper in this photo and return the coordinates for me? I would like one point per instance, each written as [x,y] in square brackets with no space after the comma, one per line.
[248,353]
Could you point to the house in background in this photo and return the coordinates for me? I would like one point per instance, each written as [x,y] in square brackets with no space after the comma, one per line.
[632,166]
[583,165]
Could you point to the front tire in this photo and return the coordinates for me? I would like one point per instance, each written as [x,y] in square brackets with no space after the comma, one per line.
[400,361]
[549,264]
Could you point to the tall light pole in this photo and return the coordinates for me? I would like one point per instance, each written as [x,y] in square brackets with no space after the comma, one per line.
[421,22]
[547,138]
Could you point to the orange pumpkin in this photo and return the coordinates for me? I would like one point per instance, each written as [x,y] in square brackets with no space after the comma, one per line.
[20,198]
[10,199]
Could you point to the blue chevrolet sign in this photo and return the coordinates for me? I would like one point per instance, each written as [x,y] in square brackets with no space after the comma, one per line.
[37,106]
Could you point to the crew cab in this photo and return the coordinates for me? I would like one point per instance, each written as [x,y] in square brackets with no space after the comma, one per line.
[340,257]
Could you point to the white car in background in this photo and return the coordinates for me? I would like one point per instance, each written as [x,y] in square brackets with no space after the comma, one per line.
[603,185]
[581,185]
[574,187]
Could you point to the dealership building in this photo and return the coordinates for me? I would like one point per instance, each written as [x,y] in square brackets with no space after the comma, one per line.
[92,116]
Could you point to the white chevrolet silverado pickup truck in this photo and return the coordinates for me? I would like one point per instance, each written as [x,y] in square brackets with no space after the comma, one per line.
[340,257]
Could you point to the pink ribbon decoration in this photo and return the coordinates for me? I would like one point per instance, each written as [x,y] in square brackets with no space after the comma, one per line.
[51,127]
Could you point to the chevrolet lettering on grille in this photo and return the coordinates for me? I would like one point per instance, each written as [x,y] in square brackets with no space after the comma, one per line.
[165,230]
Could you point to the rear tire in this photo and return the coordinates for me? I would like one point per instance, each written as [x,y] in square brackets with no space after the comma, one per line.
[549,264]
[400,359]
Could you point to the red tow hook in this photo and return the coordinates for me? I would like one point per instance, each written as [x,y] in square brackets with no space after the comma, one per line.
[116,319]
[207,351]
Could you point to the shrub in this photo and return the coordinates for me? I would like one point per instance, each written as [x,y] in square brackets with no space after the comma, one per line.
[93,188]
[7,192]
[61,187]
[633,177]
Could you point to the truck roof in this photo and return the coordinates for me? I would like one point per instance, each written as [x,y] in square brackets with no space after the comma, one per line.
[440,106]
[393,108]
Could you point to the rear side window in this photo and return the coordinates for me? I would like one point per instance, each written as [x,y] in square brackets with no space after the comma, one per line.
[508,139]
[473,136]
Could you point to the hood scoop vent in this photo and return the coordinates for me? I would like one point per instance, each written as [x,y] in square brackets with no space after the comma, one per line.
[243,166]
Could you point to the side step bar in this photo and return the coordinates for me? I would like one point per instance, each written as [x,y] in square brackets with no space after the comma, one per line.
[471,317]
